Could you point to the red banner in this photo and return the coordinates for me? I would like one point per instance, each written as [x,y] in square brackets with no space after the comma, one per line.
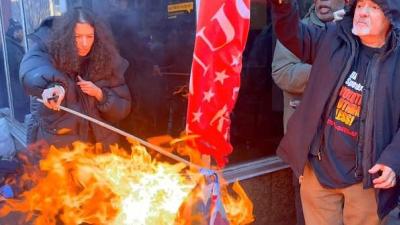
[221,37]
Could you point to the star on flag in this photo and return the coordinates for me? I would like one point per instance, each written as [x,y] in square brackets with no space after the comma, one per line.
[196,116]
[236,60]
[221,76]
[208,95]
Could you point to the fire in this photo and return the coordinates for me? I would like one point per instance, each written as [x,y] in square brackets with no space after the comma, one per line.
[239,208]
[80,186]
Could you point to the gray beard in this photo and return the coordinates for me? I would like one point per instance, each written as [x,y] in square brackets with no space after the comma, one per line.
[360,32]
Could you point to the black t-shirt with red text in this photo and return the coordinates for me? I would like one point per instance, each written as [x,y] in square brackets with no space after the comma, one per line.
[337,162]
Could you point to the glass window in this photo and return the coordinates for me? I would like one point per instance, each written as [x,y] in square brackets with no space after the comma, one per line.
[257,118]
[38,10]
[159,46]
[4,106]
[257,125]
[14,42]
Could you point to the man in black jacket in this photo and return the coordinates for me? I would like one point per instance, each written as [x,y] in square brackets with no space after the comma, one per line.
[343,139]
[291,74]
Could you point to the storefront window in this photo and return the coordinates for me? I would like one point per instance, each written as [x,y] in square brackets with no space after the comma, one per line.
[4,106]
[14,46]
[257,125]
[159,46]
[37,10]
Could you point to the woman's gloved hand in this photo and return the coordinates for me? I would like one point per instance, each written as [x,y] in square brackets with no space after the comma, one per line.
[52,97]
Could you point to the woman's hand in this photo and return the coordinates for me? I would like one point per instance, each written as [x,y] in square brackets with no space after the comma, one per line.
[52,97]
[90,89]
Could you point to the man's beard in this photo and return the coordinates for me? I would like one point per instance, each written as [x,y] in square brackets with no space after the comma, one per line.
[361,31]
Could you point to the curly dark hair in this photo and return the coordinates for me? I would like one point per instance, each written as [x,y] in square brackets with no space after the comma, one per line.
[62,45]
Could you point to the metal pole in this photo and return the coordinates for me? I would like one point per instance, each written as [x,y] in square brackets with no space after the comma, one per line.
[51,6]
[128,135]
[197,10]
[23,21]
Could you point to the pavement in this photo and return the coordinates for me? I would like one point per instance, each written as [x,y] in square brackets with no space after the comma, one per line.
[393,218]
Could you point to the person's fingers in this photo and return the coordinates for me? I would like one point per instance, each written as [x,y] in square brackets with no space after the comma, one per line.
[83,83]
[59,100]
[381,186]
[88,89]
[386,184]
[375,168]
[392,181]
[47,104]
[384,177]
[53,105]
[48,93]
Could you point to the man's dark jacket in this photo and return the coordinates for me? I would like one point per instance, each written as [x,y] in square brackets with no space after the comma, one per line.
[60,128]
[331,51]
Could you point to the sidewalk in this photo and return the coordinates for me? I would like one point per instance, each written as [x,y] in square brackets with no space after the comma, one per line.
[393,218]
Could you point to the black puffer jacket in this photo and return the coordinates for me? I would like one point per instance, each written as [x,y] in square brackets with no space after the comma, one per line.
[61,128]
[332,51]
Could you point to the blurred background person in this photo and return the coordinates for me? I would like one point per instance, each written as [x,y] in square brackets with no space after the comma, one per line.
[15,52]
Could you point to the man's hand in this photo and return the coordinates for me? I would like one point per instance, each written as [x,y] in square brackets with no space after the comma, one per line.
[386,180]
[90,88]
[52,97]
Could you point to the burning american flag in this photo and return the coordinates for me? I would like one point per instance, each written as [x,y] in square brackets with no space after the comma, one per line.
[221,37]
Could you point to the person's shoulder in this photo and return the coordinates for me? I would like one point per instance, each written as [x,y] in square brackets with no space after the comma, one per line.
[306,20]
[46,24]
[42,33]
[331,25]
[120,64]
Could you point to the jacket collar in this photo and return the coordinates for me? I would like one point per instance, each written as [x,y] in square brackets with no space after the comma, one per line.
[312,15]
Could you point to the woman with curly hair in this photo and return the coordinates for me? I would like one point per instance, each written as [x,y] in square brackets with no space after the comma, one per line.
[74,63]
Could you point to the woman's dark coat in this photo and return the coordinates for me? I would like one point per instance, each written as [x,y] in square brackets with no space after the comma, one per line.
[60,128]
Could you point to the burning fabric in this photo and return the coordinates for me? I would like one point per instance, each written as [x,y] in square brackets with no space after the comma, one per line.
[79,186]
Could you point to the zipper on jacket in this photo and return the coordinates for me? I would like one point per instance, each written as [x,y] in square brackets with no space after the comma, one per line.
[373,80]
[361,137]
[322,144]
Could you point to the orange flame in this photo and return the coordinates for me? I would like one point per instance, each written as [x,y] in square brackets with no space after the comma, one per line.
[239,208]
[79,186]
